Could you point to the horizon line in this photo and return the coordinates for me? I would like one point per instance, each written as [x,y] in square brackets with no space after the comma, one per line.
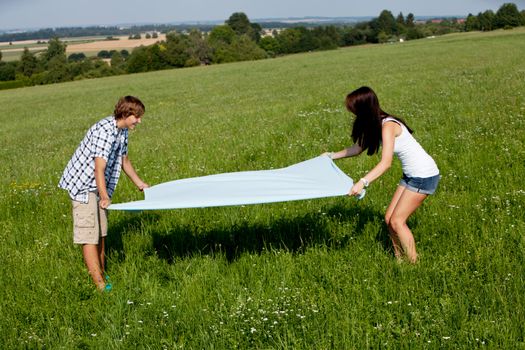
[211,21]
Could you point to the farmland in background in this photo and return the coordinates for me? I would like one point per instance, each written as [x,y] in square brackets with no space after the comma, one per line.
[90,46]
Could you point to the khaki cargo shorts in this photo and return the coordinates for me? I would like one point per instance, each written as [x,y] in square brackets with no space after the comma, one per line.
[89,221]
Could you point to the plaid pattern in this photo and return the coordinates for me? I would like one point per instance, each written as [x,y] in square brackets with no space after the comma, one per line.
[104,140]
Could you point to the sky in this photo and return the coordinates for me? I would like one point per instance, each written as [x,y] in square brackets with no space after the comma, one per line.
[34,14]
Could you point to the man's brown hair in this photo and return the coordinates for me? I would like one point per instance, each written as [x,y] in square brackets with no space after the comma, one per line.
[129,105]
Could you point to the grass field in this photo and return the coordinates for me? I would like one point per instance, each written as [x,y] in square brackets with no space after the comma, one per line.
[316,274]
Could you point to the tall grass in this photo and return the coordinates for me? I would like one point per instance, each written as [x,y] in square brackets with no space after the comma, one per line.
[308,274]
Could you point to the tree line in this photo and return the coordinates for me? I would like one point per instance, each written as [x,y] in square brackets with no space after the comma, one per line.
[73,32]
[508,16]
[237,39]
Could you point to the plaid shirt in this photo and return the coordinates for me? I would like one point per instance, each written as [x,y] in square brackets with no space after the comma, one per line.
[104,140]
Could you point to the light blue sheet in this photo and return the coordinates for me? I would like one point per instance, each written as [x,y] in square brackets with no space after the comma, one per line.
[315,178]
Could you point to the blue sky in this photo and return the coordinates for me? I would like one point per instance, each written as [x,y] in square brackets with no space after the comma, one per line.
[59,13]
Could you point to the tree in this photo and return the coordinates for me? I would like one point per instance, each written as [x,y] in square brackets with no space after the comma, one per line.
[55,48]
[400,19]
[324,38]
[289,40]
[243,48]
[0,55]
[356,35]
[307,40]
[199,49]
[414,33]
[28,63]
[157,58]
[241,25]
[387,23]
[96,68]
[117,62]
[7,71]
[410,20]
[76,57]
[124,53]
[486,20]
[247,49]
[57,70]
[103,54]
[177,49]
[270,45]
[80,69]
[508,16]
[138,61]
[223,33]
[472,23]
[382,37]
[400,23]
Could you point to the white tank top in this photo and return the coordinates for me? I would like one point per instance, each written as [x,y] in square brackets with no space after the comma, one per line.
[415,162]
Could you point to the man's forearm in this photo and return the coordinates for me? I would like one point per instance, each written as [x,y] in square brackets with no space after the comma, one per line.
[100,179]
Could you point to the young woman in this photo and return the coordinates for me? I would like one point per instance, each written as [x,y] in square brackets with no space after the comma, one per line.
[373,128]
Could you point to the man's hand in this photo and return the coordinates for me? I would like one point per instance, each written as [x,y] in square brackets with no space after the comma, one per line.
[142,186]
[104,202]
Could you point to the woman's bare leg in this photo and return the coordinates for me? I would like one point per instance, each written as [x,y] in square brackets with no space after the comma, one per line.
[396,244]
[406,205]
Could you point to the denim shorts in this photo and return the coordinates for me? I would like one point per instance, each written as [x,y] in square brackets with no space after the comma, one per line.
[426,185]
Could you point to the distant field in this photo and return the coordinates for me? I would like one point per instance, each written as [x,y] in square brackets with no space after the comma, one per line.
[315,274]
[13,51]
[122,44]
[87,45]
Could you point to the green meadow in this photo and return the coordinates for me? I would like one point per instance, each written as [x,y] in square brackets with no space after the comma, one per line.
[314,274]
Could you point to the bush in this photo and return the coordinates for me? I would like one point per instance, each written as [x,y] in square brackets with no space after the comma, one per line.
[13,84]
[414,33]
[7,71]
[76,57]
[192,62]
[104,54]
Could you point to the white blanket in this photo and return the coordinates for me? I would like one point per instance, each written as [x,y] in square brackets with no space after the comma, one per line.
[315,178]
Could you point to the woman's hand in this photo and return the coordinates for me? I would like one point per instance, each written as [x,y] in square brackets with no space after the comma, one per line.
[356,189]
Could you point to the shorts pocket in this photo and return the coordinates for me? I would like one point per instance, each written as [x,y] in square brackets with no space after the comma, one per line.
[84,220]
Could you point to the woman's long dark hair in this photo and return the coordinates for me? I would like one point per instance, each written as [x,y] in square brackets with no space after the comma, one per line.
[366,131]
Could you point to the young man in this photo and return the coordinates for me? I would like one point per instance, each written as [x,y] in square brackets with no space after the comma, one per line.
[91,176]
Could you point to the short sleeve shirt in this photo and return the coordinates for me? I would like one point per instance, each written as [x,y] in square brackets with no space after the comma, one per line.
[104,140]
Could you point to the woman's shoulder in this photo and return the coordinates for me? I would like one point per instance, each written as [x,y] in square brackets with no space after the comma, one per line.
[392,124]
[389,118]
